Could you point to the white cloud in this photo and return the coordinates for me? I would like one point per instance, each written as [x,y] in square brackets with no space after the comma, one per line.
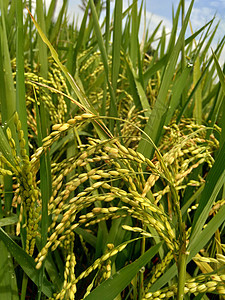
[201,15]
[156,19]
[202,12]
[59,4]
[152,21]
[73,9]
[218,4]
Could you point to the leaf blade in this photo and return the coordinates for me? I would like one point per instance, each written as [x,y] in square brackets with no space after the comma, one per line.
[109,289]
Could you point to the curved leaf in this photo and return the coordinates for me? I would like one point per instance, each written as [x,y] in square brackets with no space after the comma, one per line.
[26,262]
[109,289]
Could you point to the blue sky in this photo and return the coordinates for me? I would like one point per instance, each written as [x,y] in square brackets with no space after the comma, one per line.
[158,10]
[202,12]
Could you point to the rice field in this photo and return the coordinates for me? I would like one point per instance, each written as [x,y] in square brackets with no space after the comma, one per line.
[112,166]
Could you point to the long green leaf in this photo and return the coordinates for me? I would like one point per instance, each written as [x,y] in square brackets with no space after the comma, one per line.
[134,35]
[195,34]
[177,91]
[43,128]
[50,14]
[204,236]
[8,103]
[155,125]
[137,89]
[26,262]
[101,129]
[109,289]
[20,85]
[182,110]
[116,46]
[8,95]
[198,93]
[107,39]
[57,25]
[214,182]
[8,220]
[72,62]
[220,72]
[8,284]
[153,68]
[113,110]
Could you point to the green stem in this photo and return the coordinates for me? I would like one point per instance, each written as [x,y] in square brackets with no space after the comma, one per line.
[183,46]
[43,128]
[24,287]
[182,267]
[30,36]
[20,81]
[141,280]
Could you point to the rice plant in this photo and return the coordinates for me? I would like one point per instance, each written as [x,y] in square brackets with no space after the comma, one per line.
[111,156]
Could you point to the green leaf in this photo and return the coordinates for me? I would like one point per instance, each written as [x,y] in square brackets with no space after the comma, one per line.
[88,237]
[98,33]
[8,220]
[193,198]
[86,105]
[194,247]
[154,126]
[205,235]
[79,41]
[153,68]
[8,102]
[137,90]
[177,90]
[50,15]
[204,72]
[8,284]
[198,94]
[20,85]
[43,128]
[109,289]
[134,34]
[26,262]
[219,72]
[214,182]
[193,36]
[58,24]
[52,266]
[117,35]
